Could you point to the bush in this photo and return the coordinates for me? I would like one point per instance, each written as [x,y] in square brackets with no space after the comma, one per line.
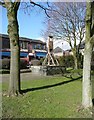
[92,61]
[23,64]
[67,61]
[5,64]
[54,70]
[41,60]
[35,62]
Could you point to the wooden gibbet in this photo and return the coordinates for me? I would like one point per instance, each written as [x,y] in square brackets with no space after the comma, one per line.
[50,60]
[50,65]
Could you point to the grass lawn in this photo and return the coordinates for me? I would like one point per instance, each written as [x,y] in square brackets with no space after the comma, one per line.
[49,97]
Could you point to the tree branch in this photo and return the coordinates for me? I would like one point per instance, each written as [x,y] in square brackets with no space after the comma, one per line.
[45,9]
[8,3]
[2,4]
[16,4]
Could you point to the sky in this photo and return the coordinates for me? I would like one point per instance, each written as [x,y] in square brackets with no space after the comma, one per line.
[30,26]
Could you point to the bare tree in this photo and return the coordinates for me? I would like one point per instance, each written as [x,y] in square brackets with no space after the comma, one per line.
[67,22]
[13,32]
[89,44]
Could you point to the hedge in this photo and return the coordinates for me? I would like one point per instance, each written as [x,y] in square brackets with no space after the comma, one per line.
[5,64]
[67,61]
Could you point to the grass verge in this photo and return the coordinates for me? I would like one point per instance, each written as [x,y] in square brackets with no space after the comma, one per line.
[49,97]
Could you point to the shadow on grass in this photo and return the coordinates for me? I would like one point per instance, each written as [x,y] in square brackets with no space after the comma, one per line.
[49,86]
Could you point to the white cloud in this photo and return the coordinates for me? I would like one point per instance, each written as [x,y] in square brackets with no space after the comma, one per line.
[41,38]
[57,43]
[62,44]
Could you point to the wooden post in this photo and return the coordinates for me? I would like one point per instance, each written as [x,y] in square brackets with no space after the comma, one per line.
[50,57]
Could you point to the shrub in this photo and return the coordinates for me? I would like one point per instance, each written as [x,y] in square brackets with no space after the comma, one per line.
[35,62]
[67,61]
[23,64]
[41,60]
[5,64]
[92,61]
[54,70]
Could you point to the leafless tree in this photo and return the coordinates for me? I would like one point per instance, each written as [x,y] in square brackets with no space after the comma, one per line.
[67,22]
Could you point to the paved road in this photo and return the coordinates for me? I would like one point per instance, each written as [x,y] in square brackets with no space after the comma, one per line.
[24,76]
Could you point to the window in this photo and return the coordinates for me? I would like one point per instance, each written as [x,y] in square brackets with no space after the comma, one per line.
[44,47]
[34,46]
[21,44]
[38,46]
[24,45]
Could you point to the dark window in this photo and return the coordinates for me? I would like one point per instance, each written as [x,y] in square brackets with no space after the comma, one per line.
[34,46]
[5,43]
[24,45]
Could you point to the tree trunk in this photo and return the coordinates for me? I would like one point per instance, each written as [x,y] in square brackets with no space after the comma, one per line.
[75,62]
[75,59]
[13,31]
[87,89]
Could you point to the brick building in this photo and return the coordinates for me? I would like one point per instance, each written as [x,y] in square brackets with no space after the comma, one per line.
[28,47]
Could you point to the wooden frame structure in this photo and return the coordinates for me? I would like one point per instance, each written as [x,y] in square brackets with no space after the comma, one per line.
[50,59]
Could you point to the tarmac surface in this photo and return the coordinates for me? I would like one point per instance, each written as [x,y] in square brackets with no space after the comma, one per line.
[24,76]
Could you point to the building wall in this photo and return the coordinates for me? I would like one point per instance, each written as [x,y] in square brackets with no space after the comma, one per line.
[39,46]
[5,43]
[59,54]
[28,45]
[23,45]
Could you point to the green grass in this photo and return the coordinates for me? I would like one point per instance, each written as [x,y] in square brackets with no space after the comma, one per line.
[49,98]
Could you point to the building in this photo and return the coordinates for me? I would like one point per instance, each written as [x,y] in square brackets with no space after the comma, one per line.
[58,52]
[28,47]
[68,52]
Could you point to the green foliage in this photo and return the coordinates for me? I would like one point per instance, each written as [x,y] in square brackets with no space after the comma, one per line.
[67,61]
[92,61]
[54,70]
[5,63]
[23,64]
[35,62]
[41,60]
[93,56]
